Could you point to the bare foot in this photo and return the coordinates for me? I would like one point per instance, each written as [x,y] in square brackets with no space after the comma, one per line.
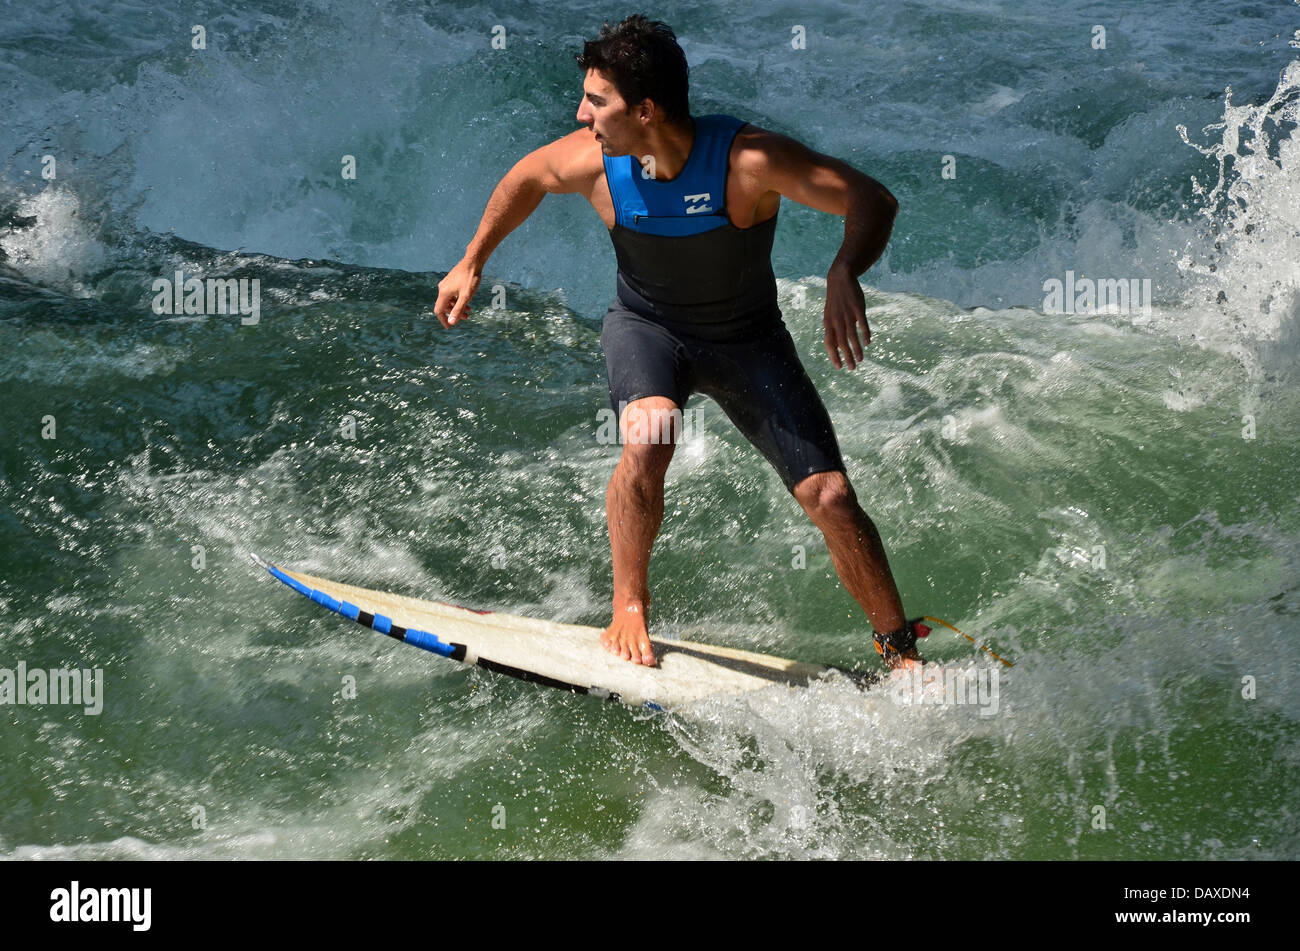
[902,670]
[627,636]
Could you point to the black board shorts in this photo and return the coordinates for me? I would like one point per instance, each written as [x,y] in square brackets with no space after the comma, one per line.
[758,381]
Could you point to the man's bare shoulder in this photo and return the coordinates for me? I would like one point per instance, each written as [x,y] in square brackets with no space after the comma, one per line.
[767,162]
[755,148]
[571,163]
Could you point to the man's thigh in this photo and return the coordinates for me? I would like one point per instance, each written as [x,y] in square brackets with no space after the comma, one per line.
[642,360]
[763,388]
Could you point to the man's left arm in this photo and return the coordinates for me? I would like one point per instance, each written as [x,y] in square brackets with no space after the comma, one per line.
[783,165]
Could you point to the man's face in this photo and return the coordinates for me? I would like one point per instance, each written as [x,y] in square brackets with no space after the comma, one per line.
[604,112]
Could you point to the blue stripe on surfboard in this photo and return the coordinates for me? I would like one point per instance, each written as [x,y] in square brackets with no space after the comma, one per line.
[431,643]
[382,624]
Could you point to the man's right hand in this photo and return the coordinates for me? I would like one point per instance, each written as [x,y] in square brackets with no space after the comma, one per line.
[455,290]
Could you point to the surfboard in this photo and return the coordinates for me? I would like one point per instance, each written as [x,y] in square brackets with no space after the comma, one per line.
[565,656]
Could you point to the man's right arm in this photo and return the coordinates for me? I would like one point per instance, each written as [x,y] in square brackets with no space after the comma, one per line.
[555,168]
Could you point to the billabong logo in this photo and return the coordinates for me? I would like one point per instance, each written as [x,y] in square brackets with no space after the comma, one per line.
[697,209]
[103,904]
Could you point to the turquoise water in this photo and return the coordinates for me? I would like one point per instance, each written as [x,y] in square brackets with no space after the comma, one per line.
[1077,490]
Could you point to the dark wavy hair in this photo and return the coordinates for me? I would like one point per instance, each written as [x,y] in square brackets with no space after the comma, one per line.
[643,61]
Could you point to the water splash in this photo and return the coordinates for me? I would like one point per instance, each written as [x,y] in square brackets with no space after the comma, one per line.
[1248,281]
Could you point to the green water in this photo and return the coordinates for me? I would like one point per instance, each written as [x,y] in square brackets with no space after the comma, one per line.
[998,452]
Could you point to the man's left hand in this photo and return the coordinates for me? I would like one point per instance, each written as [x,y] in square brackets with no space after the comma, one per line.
[846,310]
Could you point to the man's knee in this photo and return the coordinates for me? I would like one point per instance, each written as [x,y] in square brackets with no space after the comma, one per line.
[649,428]
[646,460]
[651,421]
[826,495]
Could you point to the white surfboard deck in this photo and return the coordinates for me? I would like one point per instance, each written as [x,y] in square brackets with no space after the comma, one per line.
[567,656]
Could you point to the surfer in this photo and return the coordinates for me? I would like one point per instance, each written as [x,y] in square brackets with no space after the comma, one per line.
[691,205]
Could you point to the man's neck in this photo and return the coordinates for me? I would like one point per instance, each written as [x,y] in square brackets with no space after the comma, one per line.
[673,150]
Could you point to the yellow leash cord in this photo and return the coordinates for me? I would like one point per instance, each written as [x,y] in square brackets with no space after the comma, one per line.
[986,650]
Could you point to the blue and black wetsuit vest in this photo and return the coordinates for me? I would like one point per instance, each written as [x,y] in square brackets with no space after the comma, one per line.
[681,262]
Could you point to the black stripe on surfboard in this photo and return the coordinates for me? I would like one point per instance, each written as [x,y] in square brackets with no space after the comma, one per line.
[529,677]
[397,632]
